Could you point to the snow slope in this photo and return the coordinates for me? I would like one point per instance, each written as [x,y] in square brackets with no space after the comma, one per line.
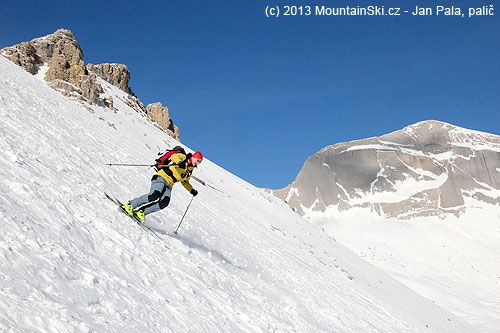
[422,203]
[243,260]
[450,259]
[454,262]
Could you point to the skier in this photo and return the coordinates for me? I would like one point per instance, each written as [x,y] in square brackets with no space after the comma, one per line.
[178,169]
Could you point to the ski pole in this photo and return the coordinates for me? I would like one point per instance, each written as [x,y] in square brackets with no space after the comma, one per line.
[184,215]
[122,164]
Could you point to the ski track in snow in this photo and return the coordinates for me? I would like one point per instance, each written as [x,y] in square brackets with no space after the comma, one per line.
[243,261]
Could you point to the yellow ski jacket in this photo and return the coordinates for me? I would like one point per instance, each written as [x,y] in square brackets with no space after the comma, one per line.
[177,170]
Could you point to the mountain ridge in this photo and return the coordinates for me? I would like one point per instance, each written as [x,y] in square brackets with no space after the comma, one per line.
[424,156]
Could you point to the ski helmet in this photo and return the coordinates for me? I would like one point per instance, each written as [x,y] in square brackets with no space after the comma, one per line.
[196,159]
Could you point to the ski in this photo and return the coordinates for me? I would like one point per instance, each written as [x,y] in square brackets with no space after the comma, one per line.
[142,224]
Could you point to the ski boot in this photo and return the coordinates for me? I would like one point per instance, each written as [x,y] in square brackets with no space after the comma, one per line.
[140,216]
[128,209]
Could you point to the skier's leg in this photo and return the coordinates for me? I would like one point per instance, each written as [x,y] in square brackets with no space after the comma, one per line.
[163,201]
[155,193]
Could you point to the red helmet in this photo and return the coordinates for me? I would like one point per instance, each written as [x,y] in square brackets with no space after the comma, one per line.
[196,159]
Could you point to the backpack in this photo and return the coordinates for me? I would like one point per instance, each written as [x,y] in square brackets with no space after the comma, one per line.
[165,158]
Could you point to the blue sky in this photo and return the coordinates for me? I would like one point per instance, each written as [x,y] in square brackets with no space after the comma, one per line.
[259,95]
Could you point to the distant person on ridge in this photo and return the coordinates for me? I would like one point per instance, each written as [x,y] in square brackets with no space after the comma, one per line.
[174,166]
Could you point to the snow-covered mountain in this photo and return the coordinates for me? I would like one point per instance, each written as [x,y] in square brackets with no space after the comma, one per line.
[427,169]
[423,203]
[243,260]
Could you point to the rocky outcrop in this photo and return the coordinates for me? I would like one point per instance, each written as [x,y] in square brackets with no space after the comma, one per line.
[116,74]
[160,115]
[61,57]
[24,55]
[64,57]
[427,169]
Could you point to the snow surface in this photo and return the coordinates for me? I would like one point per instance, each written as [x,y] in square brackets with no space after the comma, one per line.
[452,261]
[42,70]
[243,260]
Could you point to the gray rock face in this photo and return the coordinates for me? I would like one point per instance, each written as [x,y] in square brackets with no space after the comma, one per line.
[427,169]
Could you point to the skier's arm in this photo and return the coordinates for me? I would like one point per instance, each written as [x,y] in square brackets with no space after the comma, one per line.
[187,185]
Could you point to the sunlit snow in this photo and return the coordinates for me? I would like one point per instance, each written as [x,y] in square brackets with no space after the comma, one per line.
[243,260]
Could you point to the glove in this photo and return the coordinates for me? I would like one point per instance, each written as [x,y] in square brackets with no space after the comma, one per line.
[194,192]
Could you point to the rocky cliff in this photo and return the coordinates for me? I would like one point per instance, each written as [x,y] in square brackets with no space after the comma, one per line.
[427,169]
[116,74]
[58,59]
[160,114]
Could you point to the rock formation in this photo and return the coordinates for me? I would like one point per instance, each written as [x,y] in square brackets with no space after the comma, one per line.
[24,55]
[116,74]
[427,169]
[160,114]
[61,57]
